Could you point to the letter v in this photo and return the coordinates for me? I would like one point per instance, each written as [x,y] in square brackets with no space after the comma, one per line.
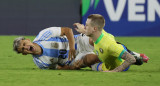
[114,15]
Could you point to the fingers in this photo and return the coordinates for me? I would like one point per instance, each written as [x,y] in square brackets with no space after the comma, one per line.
[71,55]
[75,24]
[76,29]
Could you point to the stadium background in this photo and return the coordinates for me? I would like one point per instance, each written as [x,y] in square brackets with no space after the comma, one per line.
[28,17]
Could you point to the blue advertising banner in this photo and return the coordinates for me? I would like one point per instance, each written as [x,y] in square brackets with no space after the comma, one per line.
[126,17]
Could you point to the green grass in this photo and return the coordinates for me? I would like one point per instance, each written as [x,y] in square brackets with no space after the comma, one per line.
[19,70]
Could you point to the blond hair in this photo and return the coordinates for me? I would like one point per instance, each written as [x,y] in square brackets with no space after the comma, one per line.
[97,20]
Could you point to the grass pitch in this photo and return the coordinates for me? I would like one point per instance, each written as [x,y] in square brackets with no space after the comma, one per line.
[19,70]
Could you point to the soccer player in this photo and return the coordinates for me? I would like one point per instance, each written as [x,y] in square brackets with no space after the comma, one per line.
[114,56]
[51,48]
[54,48]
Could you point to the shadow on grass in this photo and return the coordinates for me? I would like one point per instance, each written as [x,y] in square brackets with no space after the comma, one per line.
[145,71]
[82,70]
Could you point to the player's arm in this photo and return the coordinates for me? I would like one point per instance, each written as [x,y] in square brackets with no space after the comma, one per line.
[69,34]
[129,59]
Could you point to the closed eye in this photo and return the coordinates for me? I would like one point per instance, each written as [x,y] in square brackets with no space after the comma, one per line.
[23,44]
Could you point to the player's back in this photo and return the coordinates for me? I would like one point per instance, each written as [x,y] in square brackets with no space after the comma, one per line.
[54,47]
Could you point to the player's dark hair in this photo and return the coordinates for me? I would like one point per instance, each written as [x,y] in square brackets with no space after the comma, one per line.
[16,43]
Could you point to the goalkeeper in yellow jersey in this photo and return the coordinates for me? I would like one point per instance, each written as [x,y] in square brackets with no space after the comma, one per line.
[114,56]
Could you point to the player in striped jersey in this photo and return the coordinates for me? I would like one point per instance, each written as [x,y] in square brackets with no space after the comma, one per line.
[54,48]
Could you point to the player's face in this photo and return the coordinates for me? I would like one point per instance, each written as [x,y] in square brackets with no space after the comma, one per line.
[26,47]
[89,28]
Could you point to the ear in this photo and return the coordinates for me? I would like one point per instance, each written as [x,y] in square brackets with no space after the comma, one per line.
[28,39]
[95,28]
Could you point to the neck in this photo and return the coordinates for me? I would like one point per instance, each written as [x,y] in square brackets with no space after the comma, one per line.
[38,49]
[96,35]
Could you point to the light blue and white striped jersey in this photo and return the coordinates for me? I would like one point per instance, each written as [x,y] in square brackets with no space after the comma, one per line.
[55,48]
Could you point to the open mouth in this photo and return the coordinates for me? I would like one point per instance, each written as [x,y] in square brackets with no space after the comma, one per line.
[31,48]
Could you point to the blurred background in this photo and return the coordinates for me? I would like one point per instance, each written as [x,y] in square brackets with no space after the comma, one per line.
[123,17]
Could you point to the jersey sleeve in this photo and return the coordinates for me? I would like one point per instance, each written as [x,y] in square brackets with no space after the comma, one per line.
[116,50]
[43,65]
[48,33]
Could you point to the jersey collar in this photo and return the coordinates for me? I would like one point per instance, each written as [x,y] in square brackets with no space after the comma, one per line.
[99,39]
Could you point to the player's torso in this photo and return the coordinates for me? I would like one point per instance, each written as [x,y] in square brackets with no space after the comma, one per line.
[83,45]
[104,54]
[101,49]
[55,47]
[55,51]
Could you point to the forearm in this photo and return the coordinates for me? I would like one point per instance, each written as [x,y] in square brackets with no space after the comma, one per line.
[120,68]
[70,37]
[129,59]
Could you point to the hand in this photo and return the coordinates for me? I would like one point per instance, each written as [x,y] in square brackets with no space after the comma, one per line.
[71,54]
[79,28]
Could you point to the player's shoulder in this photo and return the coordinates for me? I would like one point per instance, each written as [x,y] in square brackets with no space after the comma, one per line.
[51,28]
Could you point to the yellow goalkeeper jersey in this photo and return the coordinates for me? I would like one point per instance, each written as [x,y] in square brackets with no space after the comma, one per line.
[108,51]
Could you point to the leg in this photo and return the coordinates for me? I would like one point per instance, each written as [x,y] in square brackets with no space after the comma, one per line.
[140,58]
[87,60]
[90,59]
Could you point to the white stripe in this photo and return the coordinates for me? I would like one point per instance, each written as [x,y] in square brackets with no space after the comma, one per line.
[47,59]
[51,44]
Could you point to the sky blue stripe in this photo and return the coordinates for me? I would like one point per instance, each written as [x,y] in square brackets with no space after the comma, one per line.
[45,64]
[40,64]
[52,53]
[58,39]
[75,36]
[47,35]
[44,35]
[37,63]
[61,39]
